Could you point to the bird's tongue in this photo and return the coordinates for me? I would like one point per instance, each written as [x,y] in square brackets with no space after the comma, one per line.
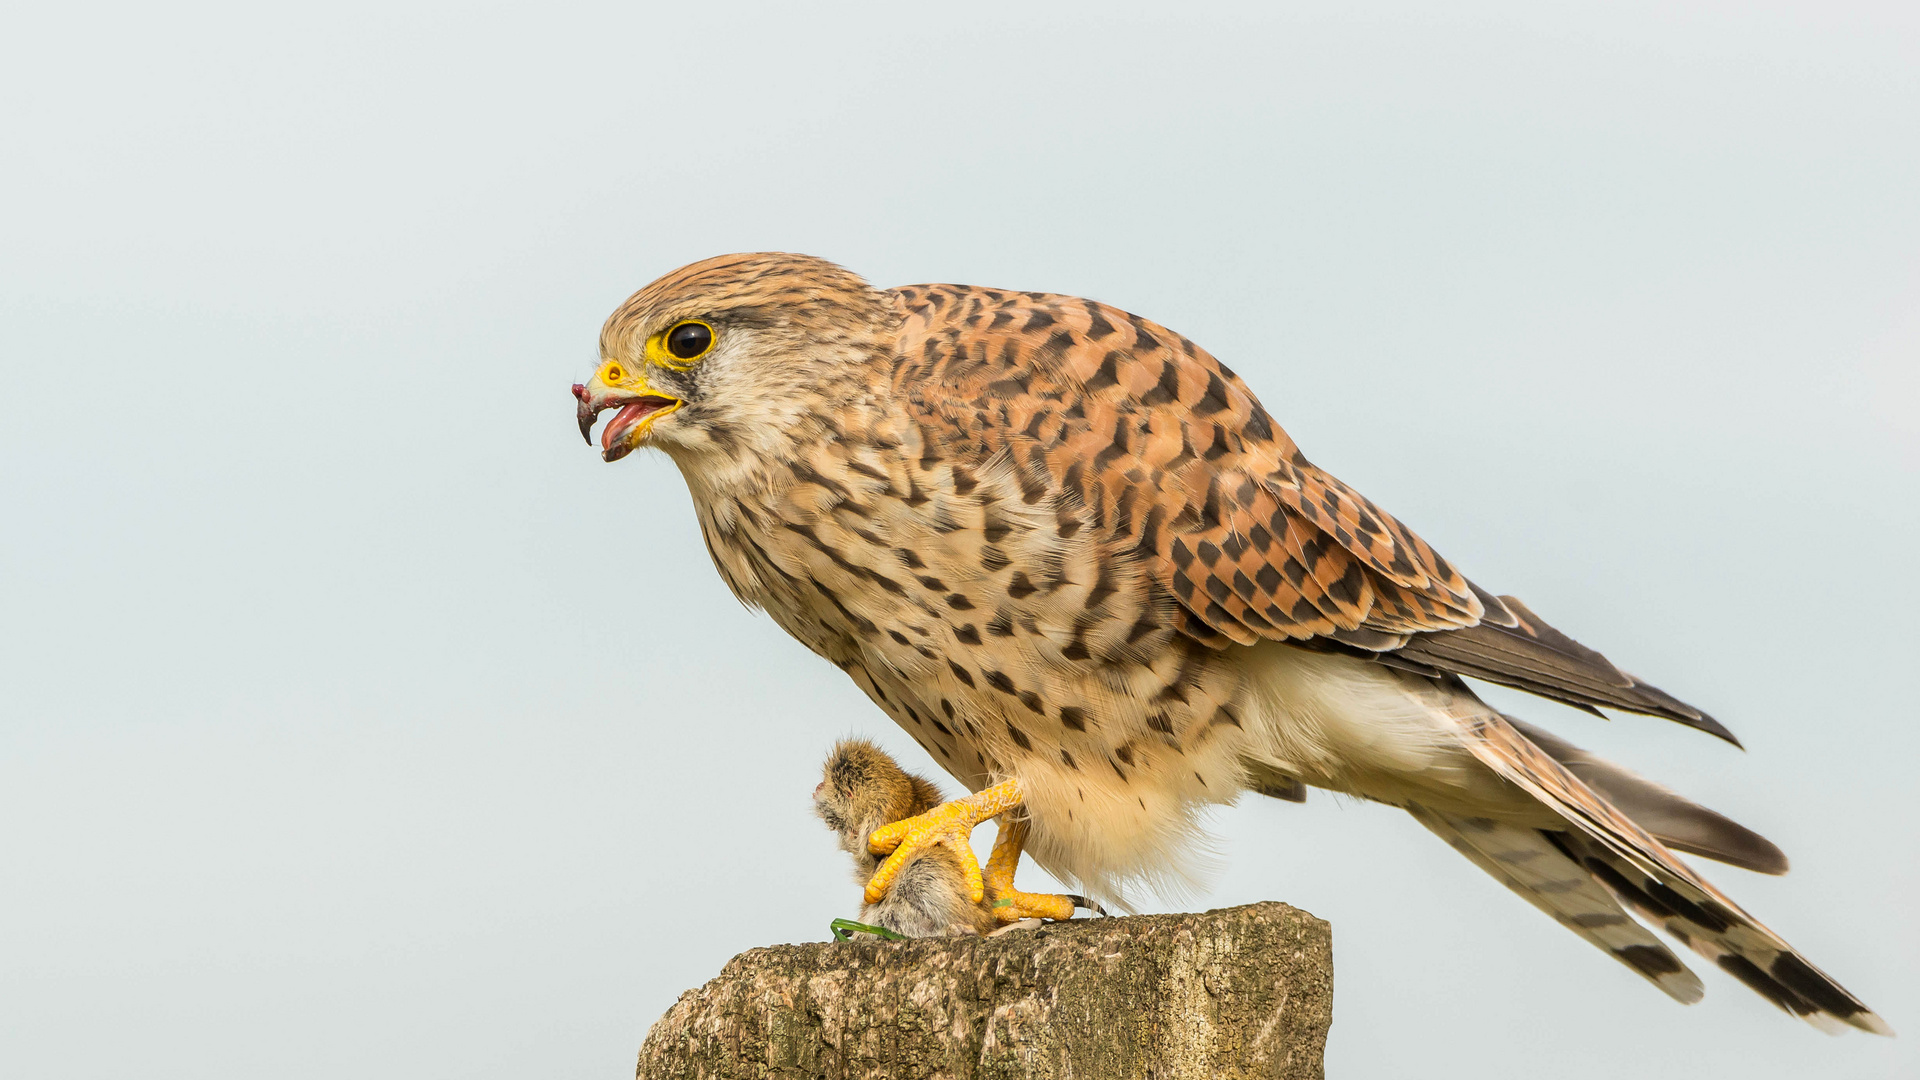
[624,420]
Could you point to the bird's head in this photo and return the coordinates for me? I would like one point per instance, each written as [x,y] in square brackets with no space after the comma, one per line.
[731,354]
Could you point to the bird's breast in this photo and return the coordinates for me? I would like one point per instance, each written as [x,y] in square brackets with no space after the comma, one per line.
[989,622]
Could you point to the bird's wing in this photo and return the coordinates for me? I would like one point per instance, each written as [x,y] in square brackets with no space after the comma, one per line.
[1134,431]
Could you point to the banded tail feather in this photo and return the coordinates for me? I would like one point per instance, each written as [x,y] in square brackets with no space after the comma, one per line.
[1716,928]
[1676,821]
[1642,874]
[1543,873]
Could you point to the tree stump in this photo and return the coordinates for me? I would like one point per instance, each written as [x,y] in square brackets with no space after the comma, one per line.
[1240,992]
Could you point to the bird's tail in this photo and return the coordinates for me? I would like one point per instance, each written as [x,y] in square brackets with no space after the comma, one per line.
[1717,929]
[1677,822]
[1582,875]
[1531,863]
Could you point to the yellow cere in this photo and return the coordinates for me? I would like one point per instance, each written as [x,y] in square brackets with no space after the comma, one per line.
[612,373]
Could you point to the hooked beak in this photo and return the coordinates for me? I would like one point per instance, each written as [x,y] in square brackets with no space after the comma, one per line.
[630,426]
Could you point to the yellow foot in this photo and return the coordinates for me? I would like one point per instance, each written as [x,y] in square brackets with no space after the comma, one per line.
[950,824]
[1010,905]
[1013,905]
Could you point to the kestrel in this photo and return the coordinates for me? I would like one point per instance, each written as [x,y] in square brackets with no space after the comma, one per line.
[1069,552]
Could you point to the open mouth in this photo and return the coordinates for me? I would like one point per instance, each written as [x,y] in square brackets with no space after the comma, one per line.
[628,427]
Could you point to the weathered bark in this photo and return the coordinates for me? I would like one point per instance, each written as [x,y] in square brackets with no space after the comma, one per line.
[1241,992]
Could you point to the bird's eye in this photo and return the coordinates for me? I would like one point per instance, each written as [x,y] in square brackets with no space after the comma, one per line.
[690,340]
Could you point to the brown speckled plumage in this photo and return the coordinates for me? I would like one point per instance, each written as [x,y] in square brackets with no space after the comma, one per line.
[1062,544]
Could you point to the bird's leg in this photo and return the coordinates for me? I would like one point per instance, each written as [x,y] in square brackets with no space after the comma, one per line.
[950,823]
[1010,904]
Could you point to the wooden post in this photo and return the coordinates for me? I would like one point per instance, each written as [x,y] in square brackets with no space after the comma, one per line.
[1240,992]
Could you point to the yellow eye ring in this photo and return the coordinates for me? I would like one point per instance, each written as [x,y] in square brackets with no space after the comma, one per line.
[687,340]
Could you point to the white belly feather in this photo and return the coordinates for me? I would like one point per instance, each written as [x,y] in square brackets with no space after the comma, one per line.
[1355,726]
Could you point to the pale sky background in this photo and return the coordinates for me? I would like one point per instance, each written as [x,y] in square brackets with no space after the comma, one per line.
[356,720]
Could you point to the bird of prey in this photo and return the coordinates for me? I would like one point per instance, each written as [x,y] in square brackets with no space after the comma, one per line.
[1069,552]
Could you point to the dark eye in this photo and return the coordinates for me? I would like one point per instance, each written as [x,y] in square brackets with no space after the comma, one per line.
[689,340]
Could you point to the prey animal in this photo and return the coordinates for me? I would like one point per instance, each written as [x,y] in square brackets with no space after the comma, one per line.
[862,789]
[1071,554]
